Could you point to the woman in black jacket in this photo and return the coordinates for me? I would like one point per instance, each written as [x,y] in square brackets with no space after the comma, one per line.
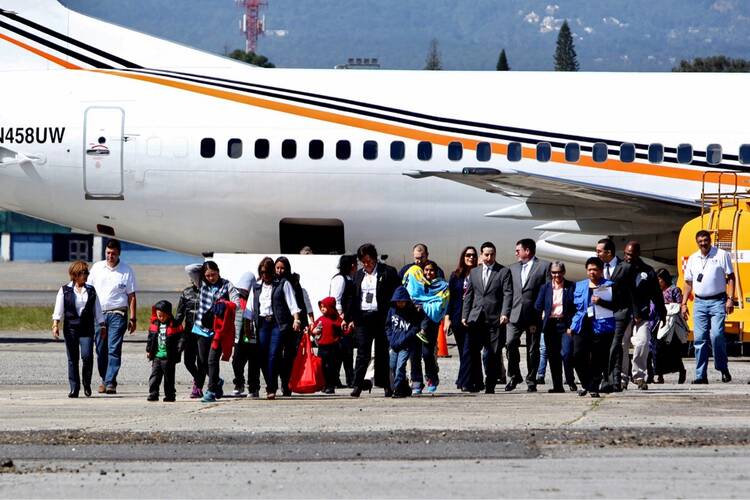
[457,285]
[78,304]
[187,307]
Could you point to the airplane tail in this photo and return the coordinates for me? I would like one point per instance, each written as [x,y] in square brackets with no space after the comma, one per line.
[43,34]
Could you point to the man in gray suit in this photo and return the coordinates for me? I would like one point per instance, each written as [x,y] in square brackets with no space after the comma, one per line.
[485,312]
[528,275]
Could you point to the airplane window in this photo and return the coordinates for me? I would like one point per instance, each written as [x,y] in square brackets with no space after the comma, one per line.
[745,154]
[515,151]
[484,151]
[370,150]
[288,149]
[599,152]
[343,150]
[398,150]
[572,152]
[543,151]
[424,151]
[656,153]
[234,148]
[713,154]
[316,149]
[455,151]
[627,153]
[262,148]
[685,153]
[208,148]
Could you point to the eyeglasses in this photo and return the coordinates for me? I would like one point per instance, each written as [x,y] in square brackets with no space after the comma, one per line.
[84,273]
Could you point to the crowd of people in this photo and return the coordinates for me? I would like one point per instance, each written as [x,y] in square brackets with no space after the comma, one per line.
[378,321]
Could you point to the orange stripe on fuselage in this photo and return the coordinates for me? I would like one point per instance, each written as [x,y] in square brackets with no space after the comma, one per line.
[420,135]
[49,57]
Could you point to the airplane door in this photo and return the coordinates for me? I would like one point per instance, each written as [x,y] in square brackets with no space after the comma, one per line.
[103,153]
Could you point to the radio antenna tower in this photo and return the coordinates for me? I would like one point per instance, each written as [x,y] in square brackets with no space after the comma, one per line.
[252,24]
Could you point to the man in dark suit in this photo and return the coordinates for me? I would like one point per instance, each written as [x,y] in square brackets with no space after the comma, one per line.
[528,274]
[622,275]
[485,312]
[374,285]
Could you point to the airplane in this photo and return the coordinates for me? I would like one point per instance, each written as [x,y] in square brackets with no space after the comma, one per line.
[126,135]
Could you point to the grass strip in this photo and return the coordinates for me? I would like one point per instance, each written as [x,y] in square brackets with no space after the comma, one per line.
[35,318]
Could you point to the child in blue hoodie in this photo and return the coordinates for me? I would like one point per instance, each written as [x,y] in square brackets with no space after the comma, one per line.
[401,327]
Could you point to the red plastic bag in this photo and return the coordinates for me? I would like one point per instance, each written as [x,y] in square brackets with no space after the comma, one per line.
[307,370]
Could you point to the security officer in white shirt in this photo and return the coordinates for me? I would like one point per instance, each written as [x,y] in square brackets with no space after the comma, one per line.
[114,282]
[709,275]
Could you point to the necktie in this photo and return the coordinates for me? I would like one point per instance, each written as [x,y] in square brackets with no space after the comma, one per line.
[485,275]
[524,273]
[607,271]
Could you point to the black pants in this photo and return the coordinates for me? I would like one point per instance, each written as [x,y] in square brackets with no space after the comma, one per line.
[461,336]
[203,345]
[591,355]
[369,329]
[346,358]
[330,355]
[214,379]
[162,368]
[553,333]
[485,341]
[614,366]
[533,336]
[75,347]
[190,353]
[248,354]
[290,342]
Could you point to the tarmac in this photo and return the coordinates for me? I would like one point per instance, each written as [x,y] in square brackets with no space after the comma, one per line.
[669,441]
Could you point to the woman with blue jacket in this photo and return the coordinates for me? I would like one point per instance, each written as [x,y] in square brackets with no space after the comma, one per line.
[555,300]
[593,327]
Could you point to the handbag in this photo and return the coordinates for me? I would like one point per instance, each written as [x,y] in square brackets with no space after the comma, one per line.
[307,371]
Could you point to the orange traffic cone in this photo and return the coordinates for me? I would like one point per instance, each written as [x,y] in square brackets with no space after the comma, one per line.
[442,343]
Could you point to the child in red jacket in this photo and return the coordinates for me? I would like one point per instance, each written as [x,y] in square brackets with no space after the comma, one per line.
[327,332]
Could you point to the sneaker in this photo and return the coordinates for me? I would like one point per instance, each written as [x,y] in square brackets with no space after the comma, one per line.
[208,397]
[642,384]
[220,392]
[255,394]
[422,335]
[152,397]
[111,389]
[431,389]
[726,376]
[416,391]
[238,391]
[169,399]
[196,393]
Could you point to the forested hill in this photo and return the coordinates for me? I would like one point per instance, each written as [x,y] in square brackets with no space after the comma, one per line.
[612,35]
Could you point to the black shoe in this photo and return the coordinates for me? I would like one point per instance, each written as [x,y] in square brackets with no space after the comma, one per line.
[367,386]
[340,386]
[387,392]
[582,392]
[573,387]
[399,395]
[511,385]
[594,394]
[556,390]
[72,394]
[682,377]
[606,389]
[329,390]
[489,390]
[700,381]
[152,397]
[87,391]
[356,392]
[531,388]
[502,380]
[650,379]
[286,392]
[618,388]
[726,376]
[540,381]
[111,389]
[659,379]
[169,399]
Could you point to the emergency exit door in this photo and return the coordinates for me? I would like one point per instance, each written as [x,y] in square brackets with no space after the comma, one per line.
[103,153]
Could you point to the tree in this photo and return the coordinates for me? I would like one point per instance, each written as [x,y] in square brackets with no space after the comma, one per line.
[565,54]
[433,57]
[251,58]
[502,62]
[713,64]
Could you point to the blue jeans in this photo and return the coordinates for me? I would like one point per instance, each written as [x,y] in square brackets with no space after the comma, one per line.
[398,368]
[109,350]
[270,344]
[708,321]
[542,358]
[567,357]
[76,347]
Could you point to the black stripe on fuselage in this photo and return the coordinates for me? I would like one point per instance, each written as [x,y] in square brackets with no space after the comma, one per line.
[56,47]
[243,87]
[72,41]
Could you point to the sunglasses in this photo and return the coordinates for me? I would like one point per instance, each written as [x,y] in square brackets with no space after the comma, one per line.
[470,255]
[84,273]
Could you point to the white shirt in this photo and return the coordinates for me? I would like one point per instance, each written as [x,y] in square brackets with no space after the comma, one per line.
[336,290]
[525,268]
[264,300]
[81,296]
[714,267]
[486,273]
[112,285]
[370,286]
[609,268]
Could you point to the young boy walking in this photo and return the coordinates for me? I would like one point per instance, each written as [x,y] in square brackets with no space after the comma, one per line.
[401,326]
[162,348]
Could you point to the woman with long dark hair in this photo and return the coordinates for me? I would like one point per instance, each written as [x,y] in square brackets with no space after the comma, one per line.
[668,353]
[276,316]
[457,284]
[342,289]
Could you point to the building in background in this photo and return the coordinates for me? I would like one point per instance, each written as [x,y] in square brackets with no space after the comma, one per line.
[27,239]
